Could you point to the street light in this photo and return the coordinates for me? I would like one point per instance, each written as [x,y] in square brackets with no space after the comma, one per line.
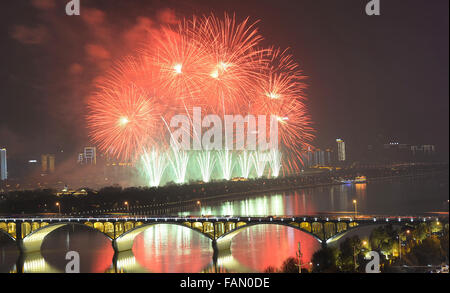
[356,207]
[199,203]
[400,243]
[126,204]
[59,208]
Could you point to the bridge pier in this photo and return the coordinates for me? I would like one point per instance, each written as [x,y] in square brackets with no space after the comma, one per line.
[20,261]
[215,252]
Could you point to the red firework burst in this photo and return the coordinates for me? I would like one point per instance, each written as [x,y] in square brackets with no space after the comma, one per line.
[214,63]
[122,121]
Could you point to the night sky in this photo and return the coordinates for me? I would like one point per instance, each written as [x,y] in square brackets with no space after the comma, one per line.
[378,78]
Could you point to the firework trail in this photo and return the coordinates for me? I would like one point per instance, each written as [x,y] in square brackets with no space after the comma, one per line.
[259,162]
[216,63]
[245,160]
[206,162]
[154,165]
[226,163]
[274,157]
[179,162]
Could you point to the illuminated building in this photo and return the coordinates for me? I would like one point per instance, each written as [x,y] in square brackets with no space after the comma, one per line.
[423,149]
[90,155]
[319,158]
[48,163]
[3,165]
[328,156]
[80,158]
[341,150]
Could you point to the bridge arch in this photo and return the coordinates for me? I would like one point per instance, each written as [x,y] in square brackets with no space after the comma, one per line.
[9,229]
[223,243]
[125,241]
[33,241]
[354,227]
[4,230]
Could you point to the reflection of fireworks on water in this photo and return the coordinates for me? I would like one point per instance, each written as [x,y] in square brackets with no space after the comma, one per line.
[217,64]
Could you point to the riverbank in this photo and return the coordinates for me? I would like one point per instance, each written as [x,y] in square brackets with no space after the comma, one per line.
[290,188]
[166,199]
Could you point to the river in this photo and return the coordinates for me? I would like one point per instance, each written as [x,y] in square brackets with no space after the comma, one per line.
[169,248]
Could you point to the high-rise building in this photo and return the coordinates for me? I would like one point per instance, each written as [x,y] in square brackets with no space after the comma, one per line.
[48,163]
[340,150]
[328,157]
[90,155]
[319,157]
[308,158]
[3,165]
[423,149]
[80,159]
[44,163]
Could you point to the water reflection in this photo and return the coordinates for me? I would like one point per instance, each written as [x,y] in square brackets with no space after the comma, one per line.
[168,248]
[36,263]
[8,254]
[261,246]
[400,197]
[171,248]
[95,249]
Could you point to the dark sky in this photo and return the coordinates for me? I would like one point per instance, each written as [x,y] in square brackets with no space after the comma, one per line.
[380,77]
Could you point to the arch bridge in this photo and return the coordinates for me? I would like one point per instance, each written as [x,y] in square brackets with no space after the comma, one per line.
[30,233]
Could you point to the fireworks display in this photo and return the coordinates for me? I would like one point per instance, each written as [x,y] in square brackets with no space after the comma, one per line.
[219,65]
